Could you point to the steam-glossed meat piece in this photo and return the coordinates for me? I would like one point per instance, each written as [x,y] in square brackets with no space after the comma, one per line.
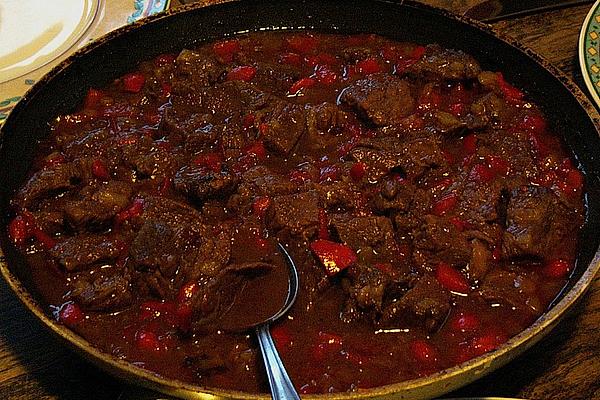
[382,99]
[81,252]
[295,213]
[537,223]
[283,125]
[51,181]
[445,64]
[426,304]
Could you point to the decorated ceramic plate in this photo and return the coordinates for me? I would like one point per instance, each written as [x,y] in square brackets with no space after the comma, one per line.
[38,34]
[589,51]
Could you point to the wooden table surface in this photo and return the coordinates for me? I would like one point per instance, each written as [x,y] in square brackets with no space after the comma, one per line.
[565,365]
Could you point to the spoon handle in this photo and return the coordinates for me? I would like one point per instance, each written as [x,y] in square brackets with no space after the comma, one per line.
[281,384]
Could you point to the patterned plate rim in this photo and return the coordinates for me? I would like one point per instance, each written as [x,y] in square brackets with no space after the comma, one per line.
[589,51]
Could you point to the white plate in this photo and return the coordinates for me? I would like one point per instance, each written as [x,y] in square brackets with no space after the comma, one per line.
[35,35]
[30,42]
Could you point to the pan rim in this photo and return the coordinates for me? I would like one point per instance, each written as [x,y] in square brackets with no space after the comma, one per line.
[477,366]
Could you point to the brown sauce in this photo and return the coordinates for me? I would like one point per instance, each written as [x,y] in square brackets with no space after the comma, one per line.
[423,200]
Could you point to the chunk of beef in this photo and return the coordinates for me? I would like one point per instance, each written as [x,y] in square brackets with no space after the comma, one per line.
[152,283]
[514,146]
[480,263]
[275,78]
[105,290]
[51,181]
[49,221]
[536,223]
[405,224]
[437,240]
[197,128]
[297,214]
[512,289]
[482,202]
[159,246]
[394,195]
[188,250]
[98,205]
[381,98]
[201,184]
[265,182]
[222,100]
[413,156]
[147,158]
[365,288]
[83,251]
[369,235]
[324,118]
[444,64]
[87,143]
[355,54]
[259,181]
[490,109]
[339,196]
[282,126]
[324,124]
[447,123]
[195,247]
[426,304]
[197,69]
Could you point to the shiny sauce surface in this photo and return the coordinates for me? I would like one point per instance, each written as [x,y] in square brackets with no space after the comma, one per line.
[430,208]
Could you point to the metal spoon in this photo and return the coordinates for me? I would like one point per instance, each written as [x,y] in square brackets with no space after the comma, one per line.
[281,384]
[253,310]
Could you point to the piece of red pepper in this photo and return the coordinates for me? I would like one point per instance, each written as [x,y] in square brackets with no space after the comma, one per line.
[136,209]
[325,75]
[212,161]
[557,268]
[323,225]
[260,206]
[242,73]
[299,85]
[465,322]
[92,99]
[358,171]
[99,170]
[302,44]
[226,49]
[452,279]
[511,93]
[291,59]
[70,314]
[164,59]
[368,66]
[18,231]
[134,82]
[424,352]
[24,226]
[444,204]
[335,257]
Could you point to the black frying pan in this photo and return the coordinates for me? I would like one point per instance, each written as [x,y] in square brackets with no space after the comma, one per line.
[64,88]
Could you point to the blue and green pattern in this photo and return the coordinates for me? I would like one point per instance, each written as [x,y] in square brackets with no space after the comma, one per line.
[6,105]
[144,8]
[589,52]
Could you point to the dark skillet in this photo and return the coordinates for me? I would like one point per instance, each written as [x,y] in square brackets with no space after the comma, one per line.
[63,88]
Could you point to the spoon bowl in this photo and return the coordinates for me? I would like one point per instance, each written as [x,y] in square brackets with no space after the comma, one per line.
[279,381]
